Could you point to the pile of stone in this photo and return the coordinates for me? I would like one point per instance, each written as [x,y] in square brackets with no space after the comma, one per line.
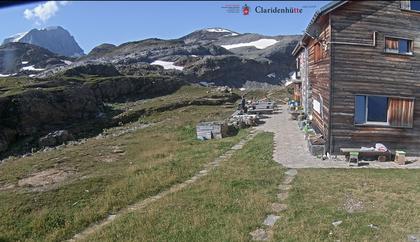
[241,120]
[224,89]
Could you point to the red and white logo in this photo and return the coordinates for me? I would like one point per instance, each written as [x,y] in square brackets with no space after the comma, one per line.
[245,10]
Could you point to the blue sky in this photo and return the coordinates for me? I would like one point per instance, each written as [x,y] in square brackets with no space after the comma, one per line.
[95,22]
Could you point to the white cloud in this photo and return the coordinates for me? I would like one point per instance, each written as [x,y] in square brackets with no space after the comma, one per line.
[44,11]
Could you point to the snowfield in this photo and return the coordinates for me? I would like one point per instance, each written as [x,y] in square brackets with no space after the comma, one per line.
[167,65]
[259,44]
[31,68]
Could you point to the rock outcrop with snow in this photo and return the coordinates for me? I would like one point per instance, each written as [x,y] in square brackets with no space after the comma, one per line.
[55,39]
[215,54]
[26,59]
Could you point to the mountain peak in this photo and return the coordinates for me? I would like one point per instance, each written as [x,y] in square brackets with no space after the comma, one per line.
[54,38]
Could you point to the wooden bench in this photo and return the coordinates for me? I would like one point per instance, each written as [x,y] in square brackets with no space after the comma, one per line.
[379,155]
[260,111]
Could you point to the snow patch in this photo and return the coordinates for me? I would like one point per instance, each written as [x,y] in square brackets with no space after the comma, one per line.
[167,65]
[272,75]
[193,55]
[218,30]
[31,68]
[67,62]
[25,62]
[5,75]
[18,36]
[259,44]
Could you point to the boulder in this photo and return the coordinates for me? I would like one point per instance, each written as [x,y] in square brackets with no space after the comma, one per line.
[55,138]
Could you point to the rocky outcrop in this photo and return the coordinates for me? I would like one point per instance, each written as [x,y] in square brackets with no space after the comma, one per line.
[207,55]
[208,35]
[229,70]
[215,54]
[37,111]
[126,87]
[101,50]
[55,138]
[20,58]
[104,70]
[34,112]
[226,98]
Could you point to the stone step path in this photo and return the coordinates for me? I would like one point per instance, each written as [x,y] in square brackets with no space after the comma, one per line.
[266,231]
[175,188]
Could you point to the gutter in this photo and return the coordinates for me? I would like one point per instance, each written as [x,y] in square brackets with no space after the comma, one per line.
[330,141]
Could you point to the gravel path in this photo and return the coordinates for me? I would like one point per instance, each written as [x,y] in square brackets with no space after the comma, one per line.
[290,147]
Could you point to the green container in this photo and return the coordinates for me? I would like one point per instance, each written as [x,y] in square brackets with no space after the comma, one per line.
[400,152]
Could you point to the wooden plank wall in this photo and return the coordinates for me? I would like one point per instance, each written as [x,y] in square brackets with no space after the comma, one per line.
[368,70]
[306,90]
[319,77]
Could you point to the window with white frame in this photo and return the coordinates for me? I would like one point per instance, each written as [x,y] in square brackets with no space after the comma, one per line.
[398,46]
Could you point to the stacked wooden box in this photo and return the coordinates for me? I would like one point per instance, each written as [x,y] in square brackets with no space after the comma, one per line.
[211,130]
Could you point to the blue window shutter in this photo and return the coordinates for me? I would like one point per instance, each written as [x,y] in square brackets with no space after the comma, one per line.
[360,110]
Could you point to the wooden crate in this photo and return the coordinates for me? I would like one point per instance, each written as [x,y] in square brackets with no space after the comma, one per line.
[400,157]
[211,130]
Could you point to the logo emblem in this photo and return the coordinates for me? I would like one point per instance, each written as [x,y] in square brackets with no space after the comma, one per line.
[245,10]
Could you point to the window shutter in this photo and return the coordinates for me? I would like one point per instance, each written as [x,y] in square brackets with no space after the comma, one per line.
[318,54]
[405,4]
[400,112]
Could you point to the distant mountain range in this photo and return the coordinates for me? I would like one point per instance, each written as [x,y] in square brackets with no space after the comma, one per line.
[55,39]
[216,55]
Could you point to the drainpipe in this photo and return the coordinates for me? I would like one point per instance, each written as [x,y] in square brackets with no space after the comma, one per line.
[306,80]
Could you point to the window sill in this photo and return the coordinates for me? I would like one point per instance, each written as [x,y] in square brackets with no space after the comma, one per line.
[410,11]
[381,125]
[400,54]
